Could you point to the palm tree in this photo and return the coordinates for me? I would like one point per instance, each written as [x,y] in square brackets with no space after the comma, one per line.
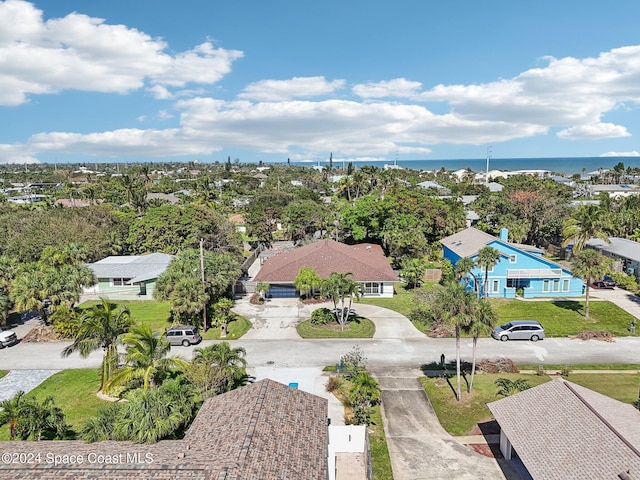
[464,267]
[590,265]
[488,257]
[101,327]
[146,356]
[227,363]
[509,387]
[306,280]
[481,324]
[454,307]
[222,309]
[339,287]
[11,411]
[41,417]
[586,222]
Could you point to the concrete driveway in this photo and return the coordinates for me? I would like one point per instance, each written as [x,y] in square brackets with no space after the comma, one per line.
[620,297]
[419,447]
[277,319]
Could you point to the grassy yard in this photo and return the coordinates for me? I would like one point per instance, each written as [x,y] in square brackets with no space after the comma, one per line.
[566,317]
[459,418]
[359,327]
[155,314]
[3,373]
[401,302]
[584,366]
[235,329]
[381,463]
[75,392]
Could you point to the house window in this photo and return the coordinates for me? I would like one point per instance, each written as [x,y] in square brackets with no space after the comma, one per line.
[556,285]
[545,285]
[565,285]
[372,288]
[513,259]
[120,282]
[495,286]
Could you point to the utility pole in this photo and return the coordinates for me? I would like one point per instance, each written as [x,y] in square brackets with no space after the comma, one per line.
[204,310]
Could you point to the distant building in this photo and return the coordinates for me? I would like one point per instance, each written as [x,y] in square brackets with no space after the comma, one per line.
[616,190]
[626,253]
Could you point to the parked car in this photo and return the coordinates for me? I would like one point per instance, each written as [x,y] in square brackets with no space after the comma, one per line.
[607,280]
[7,338]
[603,284]
[519,330]
[184,335]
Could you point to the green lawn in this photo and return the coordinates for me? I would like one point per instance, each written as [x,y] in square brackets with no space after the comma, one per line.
[584,366]
[401,302]
[3,373]
[566,317]
[75,392]
[459,418]
[380,461]
[235,329]
[359,327]
[155,314]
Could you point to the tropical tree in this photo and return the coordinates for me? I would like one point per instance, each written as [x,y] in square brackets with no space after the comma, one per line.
[100,427]
[413,270]
[39,418]
[488,257]
[482,323]
[454,307]
[590,265]
[586,222]
[145,358]
[338,287]
[464,267]
[306,280]
[11,411]
[262,288]
[509,387]
[222,310]
[227,365]
[100,328]
[364,393]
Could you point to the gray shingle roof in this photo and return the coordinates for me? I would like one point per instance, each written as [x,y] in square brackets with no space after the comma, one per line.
[561,430]
[136,267]
[620,247]
[469,241]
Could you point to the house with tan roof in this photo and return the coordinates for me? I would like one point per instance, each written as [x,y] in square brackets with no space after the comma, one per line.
[521,268]
[560,430]
[365,261]
[265,431]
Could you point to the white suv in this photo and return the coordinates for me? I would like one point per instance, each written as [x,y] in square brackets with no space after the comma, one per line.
[7,338]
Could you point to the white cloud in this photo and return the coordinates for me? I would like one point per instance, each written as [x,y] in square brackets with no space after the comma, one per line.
[164,115]
[160,93]
[621,154]
[78,52]
[398,87]
[283,90]
[594,132]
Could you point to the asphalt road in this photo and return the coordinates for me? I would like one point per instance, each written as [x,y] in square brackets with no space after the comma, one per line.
[411,352]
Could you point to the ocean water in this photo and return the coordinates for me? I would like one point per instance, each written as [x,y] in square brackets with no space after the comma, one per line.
[567,166]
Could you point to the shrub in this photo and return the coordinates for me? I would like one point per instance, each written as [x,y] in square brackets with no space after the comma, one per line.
[333,384]
[628,282]
[322,316]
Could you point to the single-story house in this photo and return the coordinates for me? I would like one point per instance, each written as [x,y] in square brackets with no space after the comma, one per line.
[615,190]
[429,184]
[128,277]
[521,267]
[365,261]
[560,430]
[265,430]
[626,253]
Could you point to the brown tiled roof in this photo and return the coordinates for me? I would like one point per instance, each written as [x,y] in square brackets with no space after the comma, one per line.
[365,261]
[561,430]
[264,431]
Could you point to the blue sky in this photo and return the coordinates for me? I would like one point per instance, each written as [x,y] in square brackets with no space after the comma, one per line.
[270,80]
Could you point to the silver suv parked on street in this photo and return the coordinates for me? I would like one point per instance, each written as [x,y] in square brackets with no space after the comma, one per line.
[519,330]
[7,338]
[184,335]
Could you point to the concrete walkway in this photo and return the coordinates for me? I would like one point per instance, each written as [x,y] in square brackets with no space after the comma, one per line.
[25,380]
[419,447]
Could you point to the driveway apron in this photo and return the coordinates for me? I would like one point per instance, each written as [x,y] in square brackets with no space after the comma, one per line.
[419,447]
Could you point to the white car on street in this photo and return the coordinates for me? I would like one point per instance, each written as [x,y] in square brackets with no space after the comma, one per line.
[7,338]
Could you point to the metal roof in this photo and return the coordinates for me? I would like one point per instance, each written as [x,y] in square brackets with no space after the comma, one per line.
[136,267]
[620,247]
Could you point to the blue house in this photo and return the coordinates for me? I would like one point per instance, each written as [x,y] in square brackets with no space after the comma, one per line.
[521,267]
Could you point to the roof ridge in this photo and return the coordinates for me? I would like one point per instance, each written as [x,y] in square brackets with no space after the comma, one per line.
[601,418]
